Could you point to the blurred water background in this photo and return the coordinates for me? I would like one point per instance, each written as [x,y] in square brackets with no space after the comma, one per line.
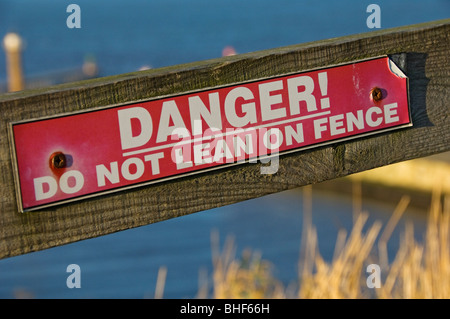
[125,36]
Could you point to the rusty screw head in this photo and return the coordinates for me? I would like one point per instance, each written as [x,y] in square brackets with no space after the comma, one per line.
[59,160]
[377,94]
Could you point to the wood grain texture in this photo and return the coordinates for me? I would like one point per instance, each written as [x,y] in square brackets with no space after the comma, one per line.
[425,46]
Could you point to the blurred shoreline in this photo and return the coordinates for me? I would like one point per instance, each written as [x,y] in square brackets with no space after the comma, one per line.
[417,178]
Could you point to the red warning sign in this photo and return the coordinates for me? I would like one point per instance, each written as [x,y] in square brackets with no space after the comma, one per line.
[74,156]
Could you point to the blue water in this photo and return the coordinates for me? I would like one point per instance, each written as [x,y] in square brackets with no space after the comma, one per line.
[123,36]
[125,264]
[126,35]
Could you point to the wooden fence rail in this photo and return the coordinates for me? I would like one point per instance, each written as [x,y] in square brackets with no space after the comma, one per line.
[422,50]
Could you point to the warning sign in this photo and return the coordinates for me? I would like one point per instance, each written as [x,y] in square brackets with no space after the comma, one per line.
[74,156]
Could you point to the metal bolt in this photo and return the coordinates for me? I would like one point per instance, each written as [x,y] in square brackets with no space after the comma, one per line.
[377,94]
[59,160]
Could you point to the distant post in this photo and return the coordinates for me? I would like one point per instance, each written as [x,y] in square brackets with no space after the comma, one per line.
[12,44]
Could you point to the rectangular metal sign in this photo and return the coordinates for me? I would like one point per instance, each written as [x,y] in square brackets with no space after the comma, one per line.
[74,156]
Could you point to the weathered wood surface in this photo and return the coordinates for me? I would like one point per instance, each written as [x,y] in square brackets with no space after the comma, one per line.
[427,65]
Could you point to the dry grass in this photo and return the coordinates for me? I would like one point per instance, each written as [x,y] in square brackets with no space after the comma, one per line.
[422,270]
[248,277]
[419,270]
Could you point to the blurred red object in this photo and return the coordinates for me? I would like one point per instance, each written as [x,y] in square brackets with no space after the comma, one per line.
[228,51]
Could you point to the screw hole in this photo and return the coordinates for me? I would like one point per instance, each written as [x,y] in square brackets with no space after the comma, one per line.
[377,94]
[58,160]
